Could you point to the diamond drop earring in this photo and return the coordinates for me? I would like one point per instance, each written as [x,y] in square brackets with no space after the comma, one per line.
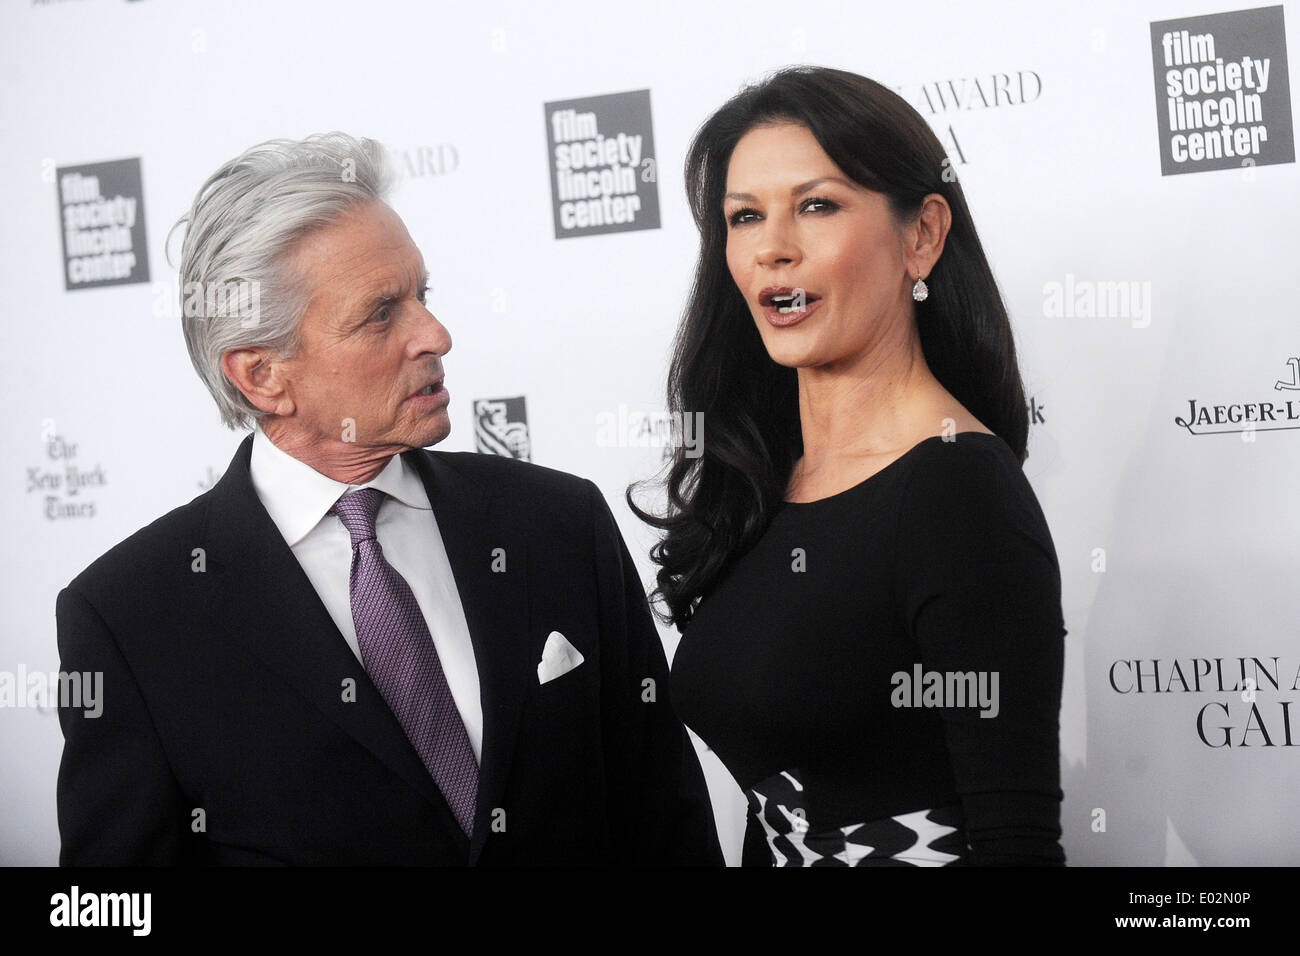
[920,291]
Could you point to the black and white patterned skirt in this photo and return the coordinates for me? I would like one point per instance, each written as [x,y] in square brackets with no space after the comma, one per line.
[929,837]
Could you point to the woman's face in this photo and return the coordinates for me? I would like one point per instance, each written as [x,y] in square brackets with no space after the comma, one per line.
[796,222]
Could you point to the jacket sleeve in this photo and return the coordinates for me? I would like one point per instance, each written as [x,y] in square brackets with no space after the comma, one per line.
[660,808]
[118,801]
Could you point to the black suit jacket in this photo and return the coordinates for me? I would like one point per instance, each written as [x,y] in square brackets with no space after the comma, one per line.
[227,735]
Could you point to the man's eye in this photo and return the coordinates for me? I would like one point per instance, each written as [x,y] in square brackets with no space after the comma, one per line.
[382,315]
[423,295]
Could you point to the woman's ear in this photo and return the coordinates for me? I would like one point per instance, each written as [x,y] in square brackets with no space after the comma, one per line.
[928,233]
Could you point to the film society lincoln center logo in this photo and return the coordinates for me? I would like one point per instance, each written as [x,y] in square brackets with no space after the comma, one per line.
[101,218]
[1223,97]
[602,159]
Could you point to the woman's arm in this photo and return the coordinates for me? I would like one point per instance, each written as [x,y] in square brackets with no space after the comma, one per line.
[979,584]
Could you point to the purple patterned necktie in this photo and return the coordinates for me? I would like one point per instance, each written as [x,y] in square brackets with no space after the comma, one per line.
[399,655]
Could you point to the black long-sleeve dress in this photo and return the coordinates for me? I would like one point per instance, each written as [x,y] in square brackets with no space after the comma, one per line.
[939,567]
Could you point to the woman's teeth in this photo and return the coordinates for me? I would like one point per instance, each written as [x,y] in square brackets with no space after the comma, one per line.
[785,304]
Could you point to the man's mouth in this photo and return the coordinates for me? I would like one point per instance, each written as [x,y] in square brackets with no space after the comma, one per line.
[431,389]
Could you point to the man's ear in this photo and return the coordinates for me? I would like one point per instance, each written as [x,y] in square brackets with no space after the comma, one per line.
[260,377]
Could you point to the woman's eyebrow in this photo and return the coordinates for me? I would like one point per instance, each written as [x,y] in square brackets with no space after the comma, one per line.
[796,190]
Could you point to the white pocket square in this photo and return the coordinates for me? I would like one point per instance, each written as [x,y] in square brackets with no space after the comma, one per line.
[558,658]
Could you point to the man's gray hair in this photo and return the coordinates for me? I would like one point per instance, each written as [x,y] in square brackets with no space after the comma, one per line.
[236,289]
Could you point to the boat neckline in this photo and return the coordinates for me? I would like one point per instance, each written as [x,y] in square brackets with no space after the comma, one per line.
[872,477]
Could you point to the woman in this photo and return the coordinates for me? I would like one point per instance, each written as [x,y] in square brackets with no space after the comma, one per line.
[868,593]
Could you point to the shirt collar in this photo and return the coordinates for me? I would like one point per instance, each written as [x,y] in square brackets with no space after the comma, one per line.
[297,496]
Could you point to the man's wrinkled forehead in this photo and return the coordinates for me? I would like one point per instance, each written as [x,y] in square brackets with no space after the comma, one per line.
[361,260]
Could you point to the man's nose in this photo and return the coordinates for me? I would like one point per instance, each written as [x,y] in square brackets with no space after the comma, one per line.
[431,335]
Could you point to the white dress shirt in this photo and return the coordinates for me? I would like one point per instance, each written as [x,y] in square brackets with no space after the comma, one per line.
[297,497]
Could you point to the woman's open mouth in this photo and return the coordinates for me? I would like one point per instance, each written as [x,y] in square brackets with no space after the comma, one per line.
[785,306]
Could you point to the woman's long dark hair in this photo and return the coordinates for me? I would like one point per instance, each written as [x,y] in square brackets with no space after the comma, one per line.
[720,503]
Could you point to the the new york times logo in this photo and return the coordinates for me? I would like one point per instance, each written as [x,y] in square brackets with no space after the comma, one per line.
[603,175]
[76,908]
[1223,98]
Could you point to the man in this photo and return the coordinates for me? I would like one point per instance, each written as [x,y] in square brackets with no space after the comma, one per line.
[352,650]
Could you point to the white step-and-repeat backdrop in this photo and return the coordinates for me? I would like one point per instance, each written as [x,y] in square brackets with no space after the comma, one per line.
[1131,169]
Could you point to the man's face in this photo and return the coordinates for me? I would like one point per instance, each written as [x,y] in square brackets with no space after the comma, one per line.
[370,349]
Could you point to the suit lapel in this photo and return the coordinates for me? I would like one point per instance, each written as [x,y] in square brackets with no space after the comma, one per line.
[268,606]
[495,604]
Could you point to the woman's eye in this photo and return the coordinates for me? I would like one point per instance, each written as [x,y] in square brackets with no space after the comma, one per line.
[829,205]
[815,204]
